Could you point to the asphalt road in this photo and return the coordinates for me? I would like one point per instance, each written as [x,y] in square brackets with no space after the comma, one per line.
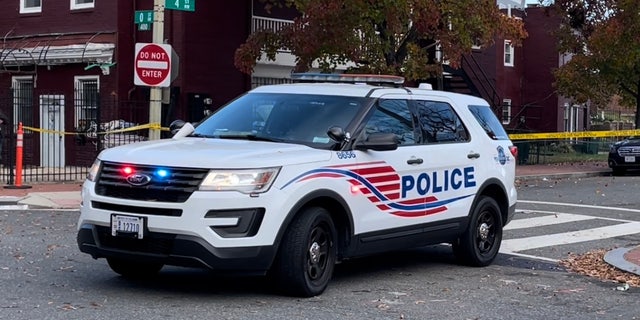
[44,276]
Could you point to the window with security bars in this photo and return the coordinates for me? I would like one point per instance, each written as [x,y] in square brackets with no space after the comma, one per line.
[506,111]
[30,6]
[262,81]
[86,89]
[23,102]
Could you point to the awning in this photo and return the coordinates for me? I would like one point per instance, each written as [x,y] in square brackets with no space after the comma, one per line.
[56,49]
[53,55]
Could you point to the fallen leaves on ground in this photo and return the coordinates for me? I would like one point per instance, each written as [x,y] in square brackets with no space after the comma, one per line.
[592,264]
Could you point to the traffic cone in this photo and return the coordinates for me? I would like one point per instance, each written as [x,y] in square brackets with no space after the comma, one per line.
[19,140]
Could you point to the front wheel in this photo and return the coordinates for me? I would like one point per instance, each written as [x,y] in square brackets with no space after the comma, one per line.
[307,254]
[617,171]
[134,269]
[478,246]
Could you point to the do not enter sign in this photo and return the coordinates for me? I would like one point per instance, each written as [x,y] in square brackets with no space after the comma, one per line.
[152,65]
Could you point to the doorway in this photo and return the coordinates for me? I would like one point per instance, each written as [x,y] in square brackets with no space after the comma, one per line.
[52,136]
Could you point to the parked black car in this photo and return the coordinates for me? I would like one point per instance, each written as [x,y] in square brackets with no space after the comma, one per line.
[624,154]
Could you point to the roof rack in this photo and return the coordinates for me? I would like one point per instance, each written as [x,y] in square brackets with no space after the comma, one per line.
[373,79]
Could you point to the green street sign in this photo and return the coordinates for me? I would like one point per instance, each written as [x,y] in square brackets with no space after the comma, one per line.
[144,26]
[184,5]
[143,17]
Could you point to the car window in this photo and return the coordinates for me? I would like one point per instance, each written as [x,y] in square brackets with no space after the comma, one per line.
[295,118]
[392,116]
[439,123]
[489,122]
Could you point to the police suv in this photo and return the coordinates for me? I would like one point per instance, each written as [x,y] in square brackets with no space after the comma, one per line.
[288,180]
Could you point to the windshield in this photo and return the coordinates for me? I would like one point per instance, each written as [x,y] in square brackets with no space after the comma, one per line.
[282,117]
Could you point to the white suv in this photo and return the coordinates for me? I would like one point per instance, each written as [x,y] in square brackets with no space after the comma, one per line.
[288,180]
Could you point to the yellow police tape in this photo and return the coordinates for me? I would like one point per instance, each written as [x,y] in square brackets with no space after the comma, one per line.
[514,136]
[155,126]
[567,135]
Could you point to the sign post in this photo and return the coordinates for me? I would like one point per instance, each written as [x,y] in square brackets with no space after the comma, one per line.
[155,94]
[153,63]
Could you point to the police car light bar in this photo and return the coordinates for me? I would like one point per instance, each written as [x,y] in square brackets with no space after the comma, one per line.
[348,78]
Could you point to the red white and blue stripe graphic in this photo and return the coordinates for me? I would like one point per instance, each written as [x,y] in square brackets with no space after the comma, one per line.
[380,183]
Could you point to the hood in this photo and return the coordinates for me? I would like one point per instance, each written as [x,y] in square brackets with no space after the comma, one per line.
[213,153]
[628,142]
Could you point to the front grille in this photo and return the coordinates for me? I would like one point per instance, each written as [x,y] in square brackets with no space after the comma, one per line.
[156,243]
[177,186]
[134,209]
[629,151]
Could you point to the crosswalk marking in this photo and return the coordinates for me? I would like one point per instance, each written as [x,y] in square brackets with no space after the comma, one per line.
[578,205]
[532,218]
[528,243]
[556,218]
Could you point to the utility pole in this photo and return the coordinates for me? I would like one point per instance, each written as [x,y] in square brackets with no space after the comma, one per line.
[155,99]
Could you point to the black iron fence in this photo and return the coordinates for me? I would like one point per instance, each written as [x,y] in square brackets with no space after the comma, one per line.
[64,134]
[549,151]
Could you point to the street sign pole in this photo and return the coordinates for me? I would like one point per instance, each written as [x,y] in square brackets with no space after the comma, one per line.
[155,101]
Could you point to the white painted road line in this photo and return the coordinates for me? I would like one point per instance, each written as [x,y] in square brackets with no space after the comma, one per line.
[579,205]
[546,220]
[528,243]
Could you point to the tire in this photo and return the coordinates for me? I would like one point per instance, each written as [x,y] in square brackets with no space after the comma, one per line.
[479,245]
[134,269]
[307,254]
[617,171]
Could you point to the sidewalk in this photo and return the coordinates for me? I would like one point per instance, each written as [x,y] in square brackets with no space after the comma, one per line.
[67,196]
[41,196]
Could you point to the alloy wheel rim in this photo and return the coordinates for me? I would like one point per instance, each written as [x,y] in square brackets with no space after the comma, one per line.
[318,252]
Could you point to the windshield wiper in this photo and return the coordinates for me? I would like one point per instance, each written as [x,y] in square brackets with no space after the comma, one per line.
[251,137]
[200,135]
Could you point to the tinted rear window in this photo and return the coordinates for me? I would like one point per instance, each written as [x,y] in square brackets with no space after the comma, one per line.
[489,122]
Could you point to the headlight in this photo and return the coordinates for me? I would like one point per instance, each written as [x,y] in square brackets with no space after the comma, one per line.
[93,171]
[245,181]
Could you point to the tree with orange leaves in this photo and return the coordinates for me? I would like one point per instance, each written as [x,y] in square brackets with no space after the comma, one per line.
[602,37]
[382,36]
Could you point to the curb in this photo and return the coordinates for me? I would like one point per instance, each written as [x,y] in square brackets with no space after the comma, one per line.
[616,258]
[41,200]
[554,176]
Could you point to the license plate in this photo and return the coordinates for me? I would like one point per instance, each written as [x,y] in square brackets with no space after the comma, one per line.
[127,226]
[629,159]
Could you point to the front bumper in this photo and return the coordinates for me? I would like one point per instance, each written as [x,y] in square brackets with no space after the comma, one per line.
[175,249]
[616,161]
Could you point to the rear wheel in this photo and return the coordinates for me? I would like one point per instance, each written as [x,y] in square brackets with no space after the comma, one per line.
[479,245]
[307,254]
[134,269]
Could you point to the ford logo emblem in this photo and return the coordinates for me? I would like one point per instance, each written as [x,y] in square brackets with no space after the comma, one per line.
[138,179]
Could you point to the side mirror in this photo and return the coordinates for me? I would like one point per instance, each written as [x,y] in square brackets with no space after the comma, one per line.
[379,142]
[337,134]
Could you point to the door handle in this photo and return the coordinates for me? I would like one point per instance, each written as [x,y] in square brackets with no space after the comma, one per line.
[473,155]
[415,161]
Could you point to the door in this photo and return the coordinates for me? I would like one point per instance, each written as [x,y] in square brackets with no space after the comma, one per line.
[52,135]
[390,201]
